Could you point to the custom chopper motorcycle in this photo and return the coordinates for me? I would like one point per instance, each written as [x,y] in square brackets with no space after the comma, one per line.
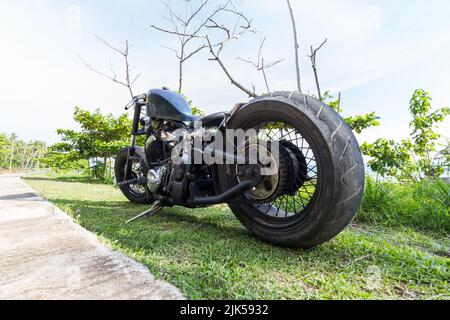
[309,196]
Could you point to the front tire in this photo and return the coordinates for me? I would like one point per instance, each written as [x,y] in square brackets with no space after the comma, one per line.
[340,172]
[135,193]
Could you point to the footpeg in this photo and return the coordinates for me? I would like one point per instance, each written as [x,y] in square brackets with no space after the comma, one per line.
[153,210]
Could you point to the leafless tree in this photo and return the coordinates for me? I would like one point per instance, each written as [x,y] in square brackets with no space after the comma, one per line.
[313,58]
[129,81]
[181,25]
[243,25]
[203,32]
[260,65]
[296,47]
[339,103]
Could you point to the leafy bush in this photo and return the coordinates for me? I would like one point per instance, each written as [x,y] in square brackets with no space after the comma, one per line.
[100,138]
[424,205]
[414,159]
[376,197]
[357,123]
[16,154]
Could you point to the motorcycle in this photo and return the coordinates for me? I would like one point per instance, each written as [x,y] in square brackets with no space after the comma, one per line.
[287,165]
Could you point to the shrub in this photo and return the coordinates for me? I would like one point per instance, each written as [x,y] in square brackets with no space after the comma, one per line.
[424,205]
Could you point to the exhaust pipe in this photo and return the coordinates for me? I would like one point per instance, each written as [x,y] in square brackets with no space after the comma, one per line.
[238,189]
[252,177]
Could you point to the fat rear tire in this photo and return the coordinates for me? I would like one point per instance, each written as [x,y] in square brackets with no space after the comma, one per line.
[341,166]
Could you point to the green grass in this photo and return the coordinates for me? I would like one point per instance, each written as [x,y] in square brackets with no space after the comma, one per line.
[71,176]
[422,206]
[209,255]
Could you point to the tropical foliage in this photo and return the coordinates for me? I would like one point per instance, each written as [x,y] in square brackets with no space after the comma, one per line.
[100,138]
[357,123]
[421,205]
[17,154]
[411,159]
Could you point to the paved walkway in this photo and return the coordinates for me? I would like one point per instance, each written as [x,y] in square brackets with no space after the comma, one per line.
[45,255]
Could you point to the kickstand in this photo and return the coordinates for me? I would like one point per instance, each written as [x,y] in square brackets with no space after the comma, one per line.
[153,210]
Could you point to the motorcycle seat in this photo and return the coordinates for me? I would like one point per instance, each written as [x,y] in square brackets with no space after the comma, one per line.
[212,120]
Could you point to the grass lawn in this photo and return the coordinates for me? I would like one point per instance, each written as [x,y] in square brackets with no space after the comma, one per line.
[209,255]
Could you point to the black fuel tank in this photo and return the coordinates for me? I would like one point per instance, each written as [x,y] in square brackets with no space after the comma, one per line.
[168,105]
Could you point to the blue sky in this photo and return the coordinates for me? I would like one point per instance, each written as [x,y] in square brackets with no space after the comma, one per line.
[377,53]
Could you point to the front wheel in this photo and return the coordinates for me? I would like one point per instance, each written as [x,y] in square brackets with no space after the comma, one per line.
[131,164]
[318,188]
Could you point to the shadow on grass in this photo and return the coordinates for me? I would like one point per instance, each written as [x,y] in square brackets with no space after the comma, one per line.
[115,213]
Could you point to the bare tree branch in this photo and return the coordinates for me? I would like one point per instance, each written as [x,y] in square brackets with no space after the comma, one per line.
[260,65]
[263,69]
[173,50]
[204,3]
[112,69]
[128,83]
[296,47]
[217,49]
[89,66]
[194,52]
[181,26]
[272,64]
[313,57]
[251,93]
[108,45]
[174,32]
[339,103]
[249,62]
[173,14]
[320,47]
[135,78]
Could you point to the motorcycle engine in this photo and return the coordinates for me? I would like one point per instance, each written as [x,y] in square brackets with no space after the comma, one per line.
[155,178]
[158,151]
[165,176]
[154,152]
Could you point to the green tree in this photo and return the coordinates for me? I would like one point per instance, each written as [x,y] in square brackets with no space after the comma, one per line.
[100,138]
[424,126]
[445,152]
[60,157]
[412,159]
[18,154]
[12,144]
[389,158]
[357,123]
[4,150]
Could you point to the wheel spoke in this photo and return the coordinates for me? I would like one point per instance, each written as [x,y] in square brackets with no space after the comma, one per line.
[291,204]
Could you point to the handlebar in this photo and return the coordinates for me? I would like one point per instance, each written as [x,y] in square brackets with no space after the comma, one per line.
[129,105]
[135,99]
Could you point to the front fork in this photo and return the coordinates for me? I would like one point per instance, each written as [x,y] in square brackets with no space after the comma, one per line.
[134,130]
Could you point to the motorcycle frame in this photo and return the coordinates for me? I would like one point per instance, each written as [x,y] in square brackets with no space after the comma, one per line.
[138,103]
[251,178]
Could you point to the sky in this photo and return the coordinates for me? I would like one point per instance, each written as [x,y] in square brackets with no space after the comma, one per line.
[377,54]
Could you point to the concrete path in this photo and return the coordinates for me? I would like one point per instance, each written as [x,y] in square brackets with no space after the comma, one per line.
[45,255]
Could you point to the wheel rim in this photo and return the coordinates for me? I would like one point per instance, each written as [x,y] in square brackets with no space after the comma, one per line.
[134,172]
[288,206]
[269,183]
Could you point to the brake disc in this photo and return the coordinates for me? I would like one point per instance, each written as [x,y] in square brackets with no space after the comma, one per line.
[280,183]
